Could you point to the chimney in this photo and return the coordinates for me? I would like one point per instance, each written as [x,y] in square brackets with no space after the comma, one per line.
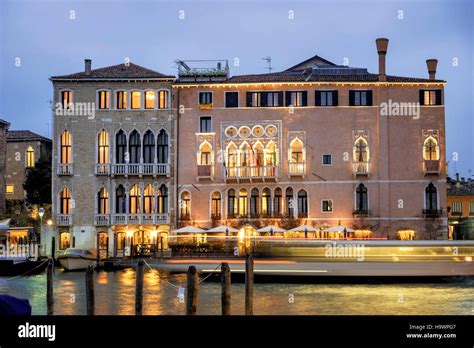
[87,66]
[382,44]
[431,64]
[457,176]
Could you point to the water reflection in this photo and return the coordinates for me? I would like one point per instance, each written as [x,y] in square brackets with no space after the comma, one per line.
[115,294]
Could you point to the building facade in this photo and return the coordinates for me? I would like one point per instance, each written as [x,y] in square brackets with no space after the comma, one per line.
[112,158]
[24,149]
[318,143]
[461,208]
[3,161]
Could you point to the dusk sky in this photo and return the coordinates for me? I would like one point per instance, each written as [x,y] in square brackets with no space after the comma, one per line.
[43,38]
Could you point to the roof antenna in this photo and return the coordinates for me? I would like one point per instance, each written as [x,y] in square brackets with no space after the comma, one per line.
[269,62]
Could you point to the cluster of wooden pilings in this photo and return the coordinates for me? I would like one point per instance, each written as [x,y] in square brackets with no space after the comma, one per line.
[192,288]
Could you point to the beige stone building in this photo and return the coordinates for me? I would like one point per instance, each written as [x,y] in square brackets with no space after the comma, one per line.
[318,143]
[24,149]
[3,158]
[112,158]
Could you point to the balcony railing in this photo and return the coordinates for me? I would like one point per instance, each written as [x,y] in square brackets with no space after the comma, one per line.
[296,168]
[360,212]
[102,219]
[432,212]
[205,171]
[251,172]
[431,167]
[137,219]
[361,168]
[102,169]
[64,219]
[140,169]
[64,168]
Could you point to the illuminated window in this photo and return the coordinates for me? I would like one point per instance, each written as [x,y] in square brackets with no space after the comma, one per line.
[302,203]
[405,235]
[30,157]
[9,189]
[64,240]
[121,99]
[231,160]
[456,207]
[120,200]
[296,99]
[134,147]
[163,97]
[103,201]
[149,147]
[231,203]
[431,149]
[134,202]
[266,199]
[205,152]
[326,206]
[162,147]
[64,201]
[430,97]
[254,202]
[243,208]
[163,199]
[104,99]
[361,151]
[296,151]
[149,200]
[136,100]
[259,154]
[290,205]
[185,204]
[216,205]
[277,202]
[66,99]
[149,100]
[264,99]
[121,147]
[471,208]
[103,147]
[66,149]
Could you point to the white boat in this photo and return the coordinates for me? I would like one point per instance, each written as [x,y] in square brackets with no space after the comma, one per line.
[78,259]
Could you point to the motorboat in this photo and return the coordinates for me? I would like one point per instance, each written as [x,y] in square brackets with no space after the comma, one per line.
[74,259]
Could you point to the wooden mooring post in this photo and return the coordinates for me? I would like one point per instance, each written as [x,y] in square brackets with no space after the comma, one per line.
[139,288]
[49,288]
[249,285]
[192,291]
[90,297]
[226,289]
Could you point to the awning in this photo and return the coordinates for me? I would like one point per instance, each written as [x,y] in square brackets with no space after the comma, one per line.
[190,229]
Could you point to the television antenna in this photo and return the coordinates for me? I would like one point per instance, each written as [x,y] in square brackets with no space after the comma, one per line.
[269,62]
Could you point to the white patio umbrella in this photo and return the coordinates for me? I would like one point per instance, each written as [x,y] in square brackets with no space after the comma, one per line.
[271,228]
[5,225]
[222,229]
[338,228]
[303,228]
[190,229]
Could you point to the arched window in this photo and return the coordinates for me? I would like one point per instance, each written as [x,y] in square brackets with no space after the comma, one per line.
[254,202]
[290,204]
[103,201]
[277,202]
[149,147]
[296,151]
[30,157]
[66,150]
[150,99]
[134,147]
[162,147]
[163,200]
[65,201]
[244,155]
[361,198]
[103,147]
[266,197]
[430,149]
[431,198]
[231,206]
[134,203]
[216,205]
[205,151]
[361,151]
[243,208]
[270,156]
[302,203]
[121,150]
[149,200]
[231,160]
[120,200]
[163,99]
[259,154]
[185,204]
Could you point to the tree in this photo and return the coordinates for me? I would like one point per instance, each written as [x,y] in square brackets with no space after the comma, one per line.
[38,182]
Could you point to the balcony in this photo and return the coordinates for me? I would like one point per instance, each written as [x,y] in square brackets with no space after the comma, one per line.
[64,219]
[102,169]
[205,106]
[251,173]
[431,167]
[432,213]
[102,219]
[361,168]
[64,169]
[140,219]
[361,213]
[139,169]
[296,168]
[205,172]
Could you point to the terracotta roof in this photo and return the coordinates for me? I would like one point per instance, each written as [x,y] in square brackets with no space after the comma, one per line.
[6,123]
[23,135]
[119,71]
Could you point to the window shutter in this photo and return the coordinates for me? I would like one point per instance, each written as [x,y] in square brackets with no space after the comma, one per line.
[351,98]
[249,99]
[334,98]
[305,98]
[263,98]
[438,97]
[317,101]
[280,98]
[422,93]
[287,98]
[369,98]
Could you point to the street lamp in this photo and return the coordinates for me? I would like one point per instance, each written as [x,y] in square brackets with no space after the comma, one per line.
[41,213]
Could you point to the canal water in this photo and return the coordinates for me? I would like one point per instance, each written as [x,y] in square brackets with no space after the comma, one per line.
[115,295]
